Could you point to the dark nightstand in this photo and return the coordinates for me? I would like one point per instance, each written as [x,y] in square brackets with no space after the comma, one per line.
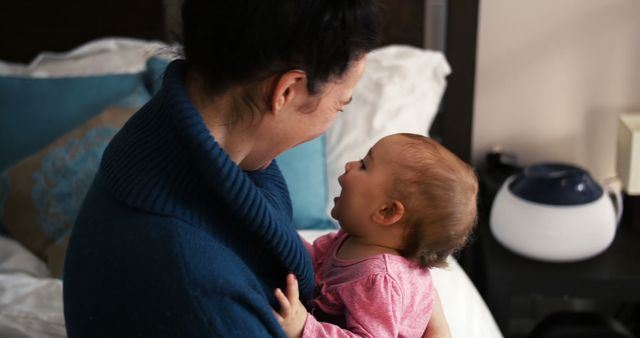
[520,292]
[613,276]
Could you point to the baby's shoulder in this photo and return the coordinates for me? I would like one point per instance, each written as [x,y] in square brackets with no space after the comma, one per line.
[406,273]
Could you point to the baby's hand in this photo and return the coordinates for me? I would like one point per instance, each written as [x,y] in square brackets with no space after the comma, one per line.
[293,314]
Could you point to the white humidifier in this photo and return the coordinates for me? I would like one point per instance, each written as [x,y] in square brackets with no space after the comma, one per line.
[554,212]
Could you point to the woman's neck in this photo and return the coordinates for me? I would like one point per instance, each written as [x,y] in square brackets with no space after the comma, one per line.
[235,138]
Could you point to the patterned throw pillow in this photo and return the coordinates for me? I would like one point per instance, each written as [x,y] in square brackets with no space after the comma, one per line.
[41,195]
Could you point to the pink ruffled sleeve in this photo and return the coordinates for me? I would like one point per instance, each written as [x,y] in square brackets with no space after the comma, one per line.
[373,308]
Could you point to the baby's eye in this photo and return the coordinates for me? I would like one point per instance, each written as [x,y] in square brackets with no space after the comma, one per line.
[362,166]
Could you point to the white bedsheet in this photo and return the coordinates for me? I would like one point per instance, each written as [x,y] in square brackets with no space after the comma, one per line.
[31,302]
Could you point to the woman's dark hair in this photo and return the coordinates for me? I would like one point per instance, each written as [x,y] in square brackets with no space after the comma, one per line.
[237,42]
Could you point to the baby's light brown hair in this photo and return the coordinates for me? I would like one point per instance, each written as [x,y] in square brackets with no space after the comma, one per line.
[439,192]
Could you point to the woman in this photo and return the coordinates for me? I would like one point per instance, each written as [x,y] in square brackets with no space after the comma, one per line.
[187,229]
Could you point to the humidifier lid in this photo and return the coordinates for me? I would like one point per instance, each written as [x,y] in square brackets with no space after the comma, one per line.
[556,184]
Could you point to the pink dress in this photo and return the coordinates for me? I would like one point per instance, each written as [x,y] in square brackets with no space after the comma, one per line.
[378,296]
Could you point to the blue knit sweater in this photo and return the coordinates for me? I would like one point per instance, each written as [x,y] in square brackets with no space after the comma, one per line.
[174,239]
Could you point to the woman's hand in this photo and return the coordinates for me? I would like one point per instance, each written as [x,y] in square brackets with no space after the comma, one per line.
[293,314]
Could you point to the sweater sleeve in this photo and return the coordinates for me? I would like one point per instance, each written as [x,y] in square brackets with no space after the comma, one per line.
[372,309]
[238,321]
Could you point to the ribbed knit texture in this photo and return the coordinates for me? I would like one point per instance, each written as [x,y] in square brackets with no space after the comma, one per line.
[164,167]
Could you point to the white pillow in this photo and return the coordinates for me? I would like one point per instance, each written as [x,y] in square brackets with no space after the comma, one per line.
[97,57]
[400,91]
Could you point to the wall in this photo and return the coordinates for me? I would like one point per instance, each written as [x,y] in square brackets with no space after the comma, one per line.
[552,77]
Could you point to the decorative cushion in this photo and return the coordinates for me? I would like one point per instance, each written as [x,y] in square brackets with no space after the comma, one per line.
[59,91]
[56,92]
[34,112]
[43,192]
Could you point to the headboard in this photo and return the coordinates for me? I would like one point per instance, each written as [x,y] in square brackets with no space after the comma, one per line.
[28,27]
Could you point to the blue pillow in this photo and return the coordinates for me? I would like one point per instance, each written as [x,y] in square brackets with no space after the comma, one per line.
[304,169]
[35,111]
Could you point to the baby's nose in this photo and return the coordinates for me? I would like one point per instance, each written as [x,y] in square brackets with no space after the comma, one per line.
[349,165]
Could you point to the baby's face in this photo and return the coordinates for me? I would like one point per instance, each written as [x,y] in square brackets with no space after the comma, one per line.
[366,184]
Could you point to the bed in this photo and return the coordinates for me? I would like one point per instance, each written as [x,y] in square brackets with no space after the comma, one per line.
[75,98]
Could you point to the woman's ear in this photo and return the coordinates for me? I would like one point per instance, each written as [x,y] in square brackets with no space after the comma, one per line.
[389,214]
[287,86]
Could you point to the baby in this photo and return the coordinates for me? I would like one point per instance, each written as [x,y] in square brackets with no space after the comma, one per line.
[404,208]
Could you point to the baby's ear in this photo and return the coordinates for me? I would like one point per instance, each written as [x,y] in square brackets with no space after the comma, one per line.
[389,213]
